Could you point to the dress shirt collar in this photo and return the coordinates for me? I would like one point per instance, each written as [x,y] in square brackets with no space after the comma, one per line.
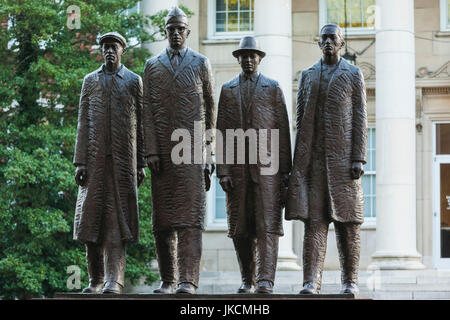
[182,51]
[253,77]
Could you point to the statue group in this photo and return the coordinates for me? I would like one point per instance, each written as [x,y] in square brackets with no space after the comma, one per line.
[126,123]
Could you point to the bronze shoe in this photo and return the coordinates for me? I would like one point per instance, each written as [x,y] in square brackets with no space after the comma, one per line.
[349,288]
[165,288]
[94,287]
[246,288]
[186,287]
[112,287]
[264,287]
[309,288]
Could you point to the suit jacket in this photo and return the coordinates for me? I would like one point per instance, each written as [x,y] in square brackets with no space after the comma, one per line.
[267,110]
[345,118]
[174,99]
[127,151]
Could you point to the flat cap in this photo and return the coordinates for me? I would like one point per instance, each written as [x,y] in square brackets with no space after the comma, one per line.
[115,36]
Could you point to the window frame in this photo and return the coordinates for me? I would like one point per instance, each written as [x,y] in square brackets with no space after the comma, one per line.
[350,31]
[214,35]
[443,8]
[371,220]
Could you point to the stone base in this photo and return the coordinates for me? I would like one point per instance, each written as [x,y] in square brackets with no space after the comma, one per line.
[395,261]
[199,297]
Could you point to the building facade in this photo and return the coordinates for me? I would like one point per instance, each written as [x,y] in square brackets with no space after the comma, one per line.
[403,50]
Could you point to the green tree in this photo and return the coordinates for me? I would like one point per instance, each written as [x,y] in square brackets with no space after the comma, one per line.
[42,65]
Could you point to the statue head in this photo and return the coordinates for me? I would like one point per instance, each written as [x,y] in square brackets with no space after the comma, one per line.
[331,40]
[177,28]
[113,46]
[249,54]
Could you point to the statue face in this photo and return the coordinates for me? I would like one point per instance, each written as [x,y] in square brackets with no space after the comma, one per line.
[112,52]
[330,41]
[249,61]
[177,34]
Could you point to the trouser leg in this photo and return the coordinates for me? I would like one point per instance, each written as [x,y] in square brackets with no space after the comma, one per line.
[113,246]
[166,253]
[314,249]
[245,252]
[348,243]
[267,254]
[189,255]
[94,258]
[115,262]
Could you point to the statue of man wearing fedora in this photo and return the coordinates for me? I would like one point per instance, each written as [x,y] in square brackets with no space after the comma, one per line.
[178,91]
[330,151]
[109,160]
[252,101]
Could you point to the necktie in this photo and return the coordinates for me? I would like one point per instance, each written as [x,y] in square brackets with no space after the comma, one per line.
[175,60]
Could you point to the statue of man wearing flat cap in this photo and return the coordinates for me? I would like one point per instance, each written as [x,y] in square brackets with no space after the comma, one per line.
[109,160]
[255,200]
[178,93]
[330,151]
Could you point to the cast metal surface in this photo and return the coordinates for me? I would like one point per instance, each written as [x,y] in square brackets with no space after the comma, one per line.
[330,149]
[254,201]
[109,157]
[178,90]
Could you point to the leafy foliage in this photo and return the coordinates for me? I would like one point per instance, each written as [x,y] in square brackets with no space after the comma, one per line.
[42,65]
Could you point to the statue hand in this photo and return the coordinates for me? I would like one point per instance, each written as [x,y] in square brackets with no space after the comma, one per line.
[141,176]
[226,183]
[154,164]
[209,169]
[357,170]
[81,175]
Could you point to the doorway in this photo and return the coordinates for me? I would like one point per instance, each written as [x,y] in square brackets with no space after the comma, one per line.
[441,196]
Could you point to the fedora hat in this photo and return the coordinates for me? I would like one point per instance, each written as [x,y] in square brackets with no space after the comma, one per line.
[115,36]
[246,44]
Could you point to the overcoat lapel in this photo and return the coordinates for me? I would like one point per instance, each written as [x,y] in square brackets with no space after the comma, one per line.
[343,66]
[236,93]
[165,60]
[187,60]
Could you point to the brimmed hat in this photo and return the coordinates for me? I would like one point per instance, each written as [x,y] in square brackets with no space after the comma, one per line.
[246,44]
[176,15]
[115,36]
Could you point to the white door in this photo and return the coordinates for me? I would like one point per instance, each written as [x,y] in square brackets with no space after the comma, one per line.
[441,196]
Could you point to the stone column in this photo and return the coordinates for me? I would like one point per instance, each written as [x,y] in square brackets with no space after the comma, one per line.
[395,138]
[273,30]
[151,7]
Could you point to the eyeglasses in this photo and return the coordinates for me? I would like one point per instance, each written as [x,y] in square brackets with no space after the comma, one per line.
[173,29]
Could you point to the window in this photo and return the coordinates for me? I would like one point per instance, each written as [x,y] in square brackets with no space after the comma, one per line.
[368,179]
[216,206]
[230,18]
[445,15]
[360,15]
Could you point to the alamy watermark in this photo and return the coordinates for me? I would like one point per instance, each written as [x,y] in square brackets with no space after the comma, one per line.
[74,280]
[256,141]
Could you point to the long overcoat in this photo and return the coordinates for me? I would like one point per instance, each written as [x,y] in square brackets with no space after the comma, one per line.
[175,100]
[345,118]
[267,110]
[127,150]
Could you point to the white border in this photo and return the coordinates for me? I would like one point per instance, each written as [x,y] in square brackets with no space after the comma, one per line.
[350,31]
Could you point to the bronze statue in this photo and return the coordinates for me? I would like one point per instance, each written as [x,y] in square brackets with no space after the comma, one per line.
[178,90]
[110,162]
[254,200]
[330,151]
